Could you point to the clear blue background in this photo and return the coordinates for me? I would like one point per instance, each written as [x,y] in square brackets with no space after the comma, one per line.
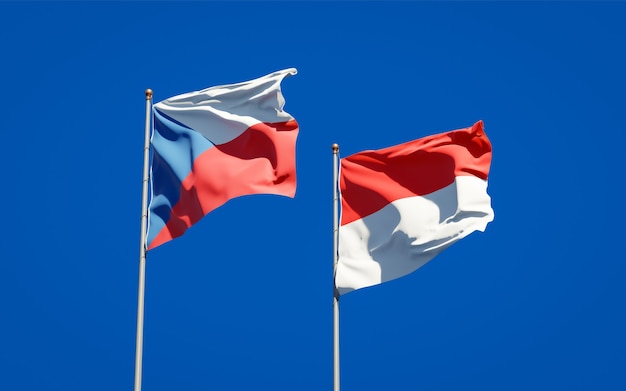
[243,301]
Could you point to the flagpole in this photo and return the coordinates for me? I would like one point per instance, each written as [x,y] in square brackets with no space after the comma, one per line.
[142,246]
[336,293]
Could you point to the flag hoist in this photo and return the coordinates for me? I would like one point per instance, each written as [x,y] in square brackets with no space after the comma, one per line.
[207,147]
[142,245]
[336,379]
[403,205]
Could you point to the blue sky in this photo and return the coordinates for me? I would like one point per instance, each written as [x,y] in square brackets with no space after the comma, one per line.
[244,299]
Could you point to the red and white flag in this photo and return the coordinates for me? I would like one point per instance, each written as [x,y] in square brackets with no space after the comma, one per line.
[403,205]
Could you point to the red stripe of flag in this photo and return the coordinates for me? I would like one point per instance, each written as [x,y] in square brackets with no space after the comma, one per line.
[259,161]
[415,168]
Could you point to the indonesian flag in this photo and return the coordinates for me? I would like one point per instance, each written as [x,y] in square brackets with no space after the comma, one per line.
[403,205]
[216,144]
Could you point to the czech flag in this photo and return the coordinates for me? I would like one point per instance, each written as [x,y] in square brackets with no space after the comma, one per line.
[216,144]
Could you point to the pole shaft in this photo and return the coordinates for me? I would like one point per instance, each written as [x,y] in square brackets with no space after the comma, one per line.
[336,379]
[142,247]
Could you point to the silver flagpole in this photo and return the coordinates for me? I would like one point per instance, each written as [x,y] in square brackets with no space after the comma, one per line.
[142,246]
[336,293]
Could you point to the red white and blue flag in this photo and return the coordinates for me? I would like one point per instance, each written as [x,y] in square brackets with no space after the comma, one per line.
[216,144]
[403,205]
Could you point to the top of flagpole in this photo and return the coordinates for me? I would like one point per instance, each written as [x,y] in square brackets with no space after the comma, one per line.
[335,148]
[148,94]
